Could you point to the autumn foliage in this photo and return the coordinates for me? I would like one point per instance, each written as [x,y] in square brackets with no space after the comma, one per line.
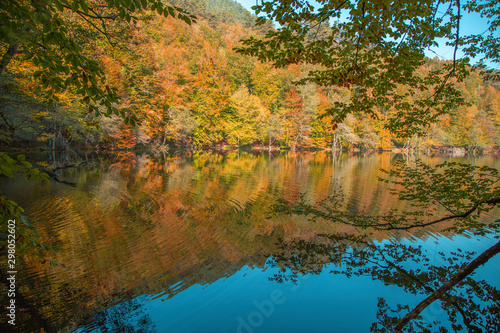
[188,87]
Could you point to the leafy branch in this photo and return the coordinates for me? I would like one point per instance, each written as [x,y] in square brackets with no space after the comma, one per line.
[464,190]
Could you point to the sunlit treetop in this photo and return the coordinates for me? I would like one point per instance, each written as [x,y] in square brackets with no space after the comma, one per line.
[374,49]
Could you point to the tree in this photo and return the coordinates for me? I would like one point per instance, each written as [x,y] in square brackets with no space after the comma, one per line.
[42,33]
[294,118]
[376,47]
[247,116]
[374,50]
[459,193]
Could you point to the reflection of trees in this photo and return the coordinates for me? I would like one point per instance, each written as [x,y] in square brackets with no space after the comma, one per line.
[460,193]
[153,221]
[126,317]
[30,316]
[472,305]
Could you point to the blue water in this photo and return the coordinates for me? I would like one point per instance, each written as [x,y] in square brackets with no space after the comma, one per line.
[247,302]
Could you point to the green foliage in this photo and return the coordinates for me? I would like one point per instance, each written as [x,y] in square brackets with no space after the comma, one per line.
[26,233]
[373,49]
[451,191]
[43,32]
[9,165]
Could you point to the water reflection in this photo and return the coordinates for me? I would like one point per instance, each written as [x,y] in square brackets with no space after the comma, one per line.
[129,316]
[472,306]
[148,237]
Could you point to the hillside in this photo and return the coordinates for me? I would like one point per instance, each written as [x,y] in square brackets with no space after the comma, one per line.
[189,87]
[217,11]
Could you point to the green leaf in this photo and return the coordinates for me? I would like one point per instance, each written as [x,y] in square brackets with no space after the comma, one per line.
[186,19]
[171,11]
[74,5]
[84,6]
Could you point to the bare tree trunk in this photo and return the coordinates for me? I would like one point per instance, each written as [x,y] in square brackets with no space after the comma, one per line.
[294,148]
[54,139]
[7,57]
[335,141]
[481,260]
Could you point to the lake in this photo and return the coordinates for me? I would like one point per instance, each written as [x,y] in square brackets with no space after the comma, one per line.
[157,242]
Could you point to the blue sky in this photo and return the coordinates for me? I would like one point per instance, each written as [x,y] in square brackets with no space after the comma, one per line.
[470,24]
[247,4]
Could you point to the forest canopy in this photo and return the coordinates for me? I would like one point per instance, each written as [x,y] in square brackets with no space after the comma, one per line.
[186,84]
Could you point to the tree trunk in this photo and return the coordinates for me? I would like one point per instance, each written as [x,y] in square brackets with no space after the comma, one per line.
[7,57]
[482,259]
[294,148]
[335,141]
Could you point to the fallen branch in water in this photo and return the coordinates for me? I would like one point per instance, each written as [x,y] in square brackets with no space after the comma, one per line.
[53,175]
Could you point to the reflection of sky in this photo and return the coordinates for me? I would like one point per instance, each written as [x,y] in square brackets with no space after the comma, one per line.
[470,24]
[233,305]
[317,303]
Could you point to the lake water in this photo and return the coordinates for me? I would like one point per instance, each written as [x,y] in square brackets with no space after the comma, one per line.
[186,243]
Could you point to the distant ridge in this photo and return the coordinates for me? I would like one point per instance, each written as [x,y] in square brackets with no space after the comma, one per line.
[217,11]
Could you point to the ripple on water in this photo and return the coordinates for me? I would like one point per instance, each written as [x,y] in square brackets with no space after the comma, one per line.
[126,233]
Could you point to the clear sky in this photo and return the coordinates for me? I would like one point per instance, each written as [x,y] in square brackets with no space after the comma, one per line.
[470,24]
[247,4]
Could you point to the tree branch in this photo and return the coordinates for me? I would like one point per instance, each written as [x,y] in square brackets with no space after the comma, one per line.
[469,269]
[11,126]
[493,201]
[453,69]
[446,298]
[96,16]
[389,225]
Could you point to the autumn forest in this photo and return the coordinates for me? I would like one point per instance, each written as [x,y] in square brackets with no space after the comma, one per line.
[189,87]
[187,166]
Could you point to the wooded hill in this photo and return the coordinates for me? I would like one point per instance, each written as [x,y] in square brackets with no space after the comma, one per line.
[188,86]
